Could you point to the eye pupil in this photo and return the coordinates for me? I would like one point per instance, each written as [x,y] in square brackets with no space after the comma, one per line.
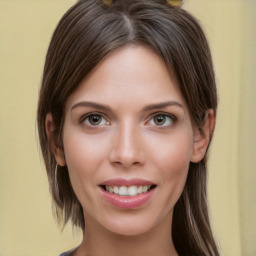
[159,119]
[95,119]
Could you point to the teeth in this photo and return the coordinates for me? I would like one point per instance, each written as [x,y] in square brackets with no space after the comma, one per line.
[123,191]
[116,190]
[144,189]
[132,191]
[128,191]
[139,190]
[110,189]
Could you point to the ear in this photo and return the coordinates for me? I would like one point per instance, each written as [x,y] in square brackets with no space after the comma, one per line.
[202,136]
[56,150]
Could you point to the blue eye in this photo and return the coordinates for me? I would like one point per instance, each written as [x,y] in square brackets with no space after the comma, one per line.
[162,120]
[95,120]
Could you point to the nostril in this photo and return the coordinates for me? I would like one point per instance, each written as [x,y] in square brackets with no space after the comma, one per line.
[125,155]
[127,164]
[118,163]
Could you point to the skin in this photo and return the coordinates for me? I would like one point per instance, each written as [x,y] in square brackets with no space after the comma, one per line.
[127,143]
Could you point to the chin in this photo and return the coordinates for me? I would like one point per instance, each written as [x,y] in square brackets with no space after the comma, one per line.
[133,226]
[129,231]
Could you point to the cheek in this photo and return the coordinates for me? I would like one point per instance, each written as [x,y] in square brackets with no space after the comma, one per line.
[172,161]
[175,158]
[85,156]
[173,152]
[83,151]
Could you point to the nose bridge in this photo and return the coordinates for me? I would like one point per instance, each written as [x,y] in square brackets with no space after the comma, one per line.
[127,149]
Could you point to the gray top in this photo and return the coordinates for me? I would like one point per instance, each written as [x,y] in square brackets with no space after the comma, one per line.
[65,254]
[69,253]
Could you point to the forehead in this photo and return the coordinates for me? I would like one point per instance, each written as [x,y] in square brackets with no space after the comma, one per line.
[133,74]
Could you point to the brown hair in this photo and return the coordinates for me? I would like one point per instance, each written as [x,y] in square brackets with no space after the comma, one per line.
[90,31]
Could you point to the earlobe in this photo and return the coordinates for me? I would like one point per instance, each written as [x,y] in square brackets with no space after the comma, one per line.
[56,150]
[202,136]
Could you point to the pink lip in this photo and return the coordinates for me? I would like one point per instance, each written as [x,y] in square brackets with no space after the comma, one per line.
[128,202]
[126,182]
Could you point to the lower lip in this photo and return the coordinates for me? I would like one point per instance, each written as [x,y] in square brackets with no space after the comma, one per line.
[127,202]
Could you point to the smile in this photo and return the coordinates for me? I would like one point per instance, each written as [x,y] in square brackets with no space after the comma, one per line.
[129,194]
[132,190]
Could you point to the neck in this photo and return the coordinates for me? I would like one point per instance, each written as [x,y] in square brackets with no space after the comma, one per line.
[98,241]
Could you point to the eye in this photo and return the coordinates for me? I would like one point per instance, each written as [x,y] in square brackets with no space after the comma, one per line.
[94,120]
[162,120]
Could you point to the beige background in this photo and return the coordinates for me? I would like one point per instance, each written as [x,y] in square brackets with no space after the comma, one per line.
[26,224]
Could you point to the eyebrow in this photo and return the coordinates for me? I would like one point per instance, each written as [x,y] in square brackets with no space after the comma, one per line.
[162,105]
[91,104]
[146,108]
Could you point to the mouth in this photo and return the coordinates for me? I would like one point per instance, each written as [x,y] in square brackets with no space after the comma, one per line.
[132,190]
[128,194]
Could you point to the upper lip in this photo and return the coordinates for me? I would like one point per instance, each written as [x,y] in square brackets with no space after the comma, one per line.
[127,182]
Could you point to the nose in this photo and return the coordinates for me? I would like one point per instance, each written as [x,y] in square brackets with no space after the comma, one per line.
[127,147]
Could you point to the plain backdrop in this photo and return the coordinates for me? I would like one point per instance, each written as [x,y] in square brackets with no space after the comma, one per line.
[26,224]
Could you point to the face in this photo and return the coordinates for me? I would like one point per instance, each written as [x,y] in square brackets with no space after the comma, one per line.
[128,141]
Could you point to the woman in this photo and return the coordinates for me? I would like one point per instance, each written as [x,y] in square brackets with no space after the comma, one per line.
[126,113]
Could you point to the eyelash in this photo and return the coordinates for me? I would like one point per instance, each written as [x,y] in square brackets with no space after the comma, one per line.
[172,119]
[86,119]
